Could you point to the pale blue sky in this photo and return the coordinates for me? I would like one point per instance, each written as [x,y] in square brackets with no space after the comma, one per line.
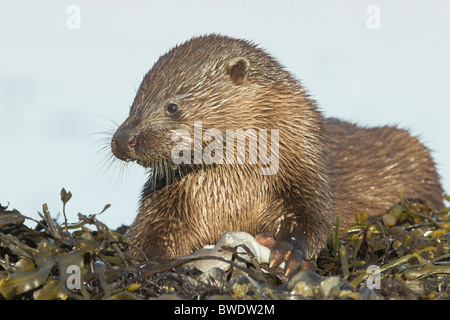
[55,82]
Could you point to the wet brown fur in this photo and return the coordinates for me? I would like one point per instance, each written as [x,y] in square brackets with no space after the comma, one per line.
[233,84]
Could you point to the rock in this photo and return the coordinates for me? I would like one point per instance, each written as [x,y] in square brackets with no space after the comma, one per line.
[214,276]
[331,287]
[368,294]
[230,239]
[307,276]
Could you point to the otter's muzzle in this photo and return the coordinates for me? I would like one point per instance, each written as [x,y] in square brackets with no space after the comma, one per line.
[123,143]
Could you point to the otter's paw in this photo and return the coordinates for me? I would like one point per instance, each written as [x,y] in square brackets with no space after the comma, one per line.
[294,259]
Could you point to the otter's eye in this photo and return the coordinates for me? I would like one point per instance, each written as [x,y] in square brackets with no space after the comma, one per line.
[172,108]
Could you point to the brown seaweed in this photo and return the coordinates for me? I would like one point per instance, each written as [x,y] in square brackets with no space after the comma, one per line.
[407,251]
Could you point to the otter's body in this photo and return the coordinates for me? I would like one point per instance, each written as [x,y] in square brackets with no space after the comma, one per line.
[325,166]
[369,166]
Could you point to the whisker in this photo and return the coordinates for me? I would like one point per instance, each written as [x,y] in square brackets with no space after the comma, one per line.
[113,122]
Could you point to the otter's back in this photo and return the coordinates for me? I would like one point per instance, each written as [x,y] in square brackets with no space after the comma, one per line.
[369,166]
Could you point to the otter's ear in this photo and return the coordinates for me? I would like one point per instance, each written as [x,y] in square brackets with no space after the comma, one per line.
[237,69]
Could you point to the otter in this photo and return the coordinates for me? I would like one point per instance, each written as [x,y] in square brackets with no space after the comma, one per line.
[325,166]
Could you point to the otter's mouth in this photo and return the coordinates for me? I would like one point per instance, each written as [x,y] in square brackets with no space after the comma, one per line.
[162,172]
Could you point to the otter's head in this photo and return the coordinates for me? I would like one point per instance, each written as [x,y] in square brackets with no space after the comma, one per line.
[217,80]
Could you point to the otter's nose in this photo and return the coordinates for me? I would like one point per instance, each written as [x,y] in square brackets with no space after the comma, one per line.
[124,141]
